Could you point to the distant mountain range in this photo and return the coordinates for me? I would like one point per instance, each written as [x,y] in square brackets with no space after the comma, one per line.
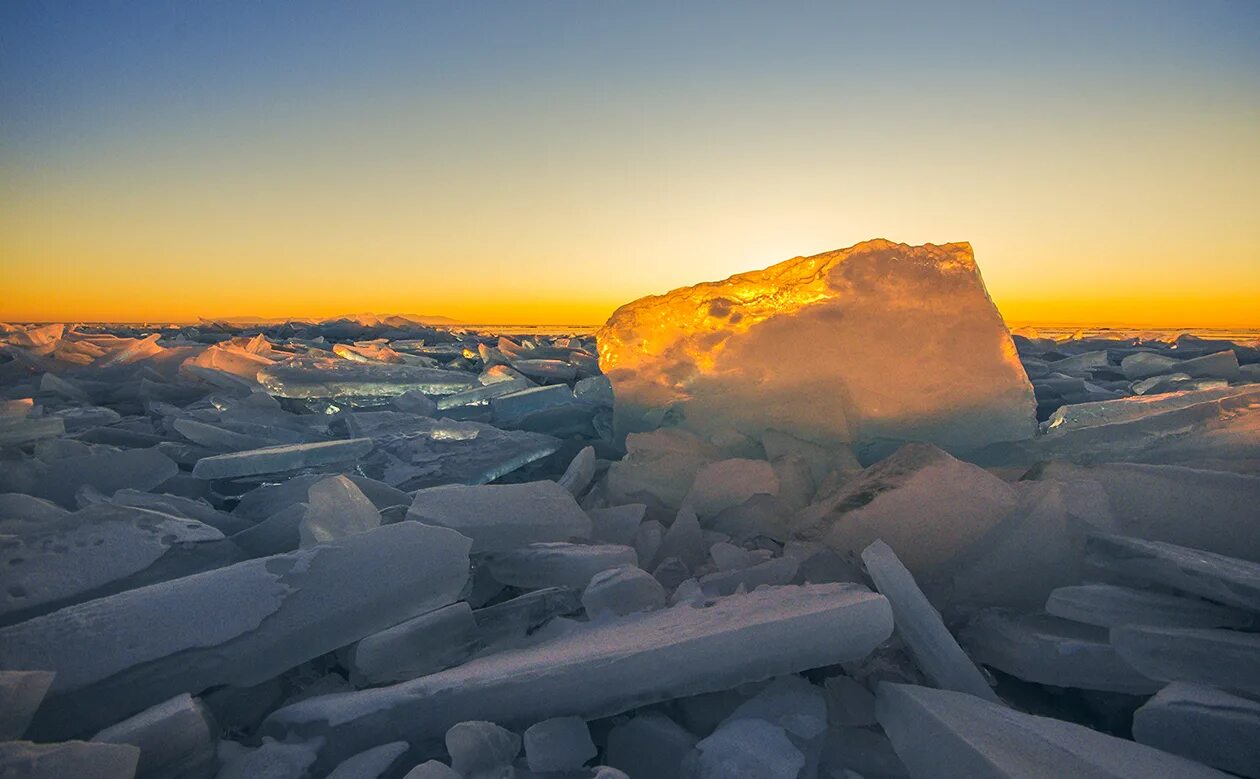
[365,319]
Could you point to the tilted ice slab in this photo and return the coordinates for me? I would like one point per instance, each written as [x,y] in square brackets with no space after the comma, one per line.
[1228,659]
[414,452]
[920,626]
[502,517]
[1203,724]
[91,549]
[1107,605]
[608,668]
[239,625]
[941,734]
[337,378]
[1226,580]
[1049,650]
[277,459]
[880,341]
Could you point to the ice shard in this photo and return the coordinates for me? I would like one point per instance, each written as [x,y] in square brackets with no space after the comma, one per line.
[1216,577]
[1228,659]
[870,321]
[1108,605]
[336,378]
[941,734]
[277,459]
[238,625]
[608,667]
[920,626]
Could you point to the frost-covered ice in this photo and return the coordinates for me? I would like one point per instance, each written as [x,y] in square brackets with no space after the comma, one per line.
[421,551]
[869,320]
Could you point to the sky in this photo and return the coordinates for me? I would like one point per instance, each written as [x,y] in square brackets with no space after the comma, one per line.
[544,162]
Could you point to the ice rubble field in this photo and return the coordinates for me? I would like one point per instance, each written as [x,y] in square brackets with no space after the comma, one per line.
[810,539]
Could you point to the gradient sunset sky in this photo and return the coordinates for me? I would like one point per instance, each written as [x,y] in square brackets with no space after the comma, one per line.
[547,161]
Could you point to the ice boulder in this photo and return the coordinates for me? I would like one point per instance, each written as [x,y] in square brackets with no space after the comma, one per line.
[877,342]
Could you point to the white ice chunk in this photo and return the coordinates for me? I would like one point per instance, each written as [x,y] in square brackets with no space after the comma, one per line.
[622,590]
[919,500]
[920,626]
[1048,650]
[658,469]
[419,646]
[558,744]
[479,747]
[432,769]
[253,620]
[748,748]
[1227,659]
[177,739]
[1108,605]
[867,319]
[942,734]
[336,508]
[606,668]
[728,483]
[21,692]
[1204,725]
[557,564]
[501,517]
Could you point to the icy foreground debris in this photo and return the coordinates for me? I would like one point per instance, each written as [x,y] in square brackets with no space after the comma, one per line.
[609,667]
[1203,724]
[21,692]
[79,759]
[902,343]
[1226,580]
[238,625]
[502,517]
[176,739]
[941,734]
[276,459]
[920,626]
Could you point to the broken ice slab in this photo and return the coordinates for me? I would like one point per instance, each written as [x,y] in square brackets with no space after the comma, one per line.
[1048,650]
[554,370]
[266,499]
[482,394]
[1083,416]
[238,625]
[556,564]
[78,759]
[622,590]
[1038,546]
[502,517]
[176,738]
[603,669]
[107,471]
[520,616]
[415,452]
[218,438]
[1144,365]
[866,753]
[1227,659]
[336,378]
[1222,579]
[19,431]
[747,747]
[728,483]
[1154,502]
[920,626]
[558,744]
[920,500]
[867,318]
[481,748]
[21,692]
[335,508]
[278,459]
[372,763]
[650,745]
[1203,724]
[419,646]
[98,551]
[551,409]
[942,734]
[780,570]
[1108,605]
[577,477]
